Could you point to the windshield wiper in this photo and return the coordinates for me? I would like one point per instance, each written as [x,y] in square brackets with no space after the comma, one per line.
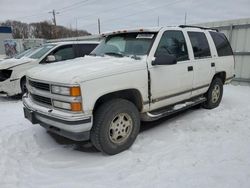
[92,54]
[114,54]
[135,57]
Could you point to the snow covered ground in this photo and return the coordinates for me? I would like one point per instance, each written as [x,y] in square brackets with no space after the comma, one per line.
[197,148]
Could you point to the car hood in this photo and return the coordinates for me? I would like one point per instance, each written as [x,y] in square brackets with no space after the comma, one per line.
[10,63]
[86,68]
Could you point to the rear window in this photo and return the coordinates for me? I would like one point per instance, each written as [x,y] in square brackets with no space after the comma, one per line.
[199,44]
[222,45]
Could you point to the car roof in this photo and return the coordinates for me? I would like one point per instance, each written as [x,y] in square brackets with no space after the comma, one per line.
[157,29]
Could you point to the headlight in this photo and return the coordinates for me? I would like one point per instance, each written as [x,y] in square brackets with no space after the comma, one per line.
[73,106]
[68,91]
[5,74]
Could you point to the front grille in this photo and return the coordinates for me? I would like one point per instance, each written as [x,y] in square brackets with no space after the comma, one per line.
[39,85]
[40,99]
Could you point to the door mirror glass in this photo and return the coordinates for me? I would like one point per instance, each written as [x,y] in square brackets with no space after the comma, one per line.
[164,59]
[50,59]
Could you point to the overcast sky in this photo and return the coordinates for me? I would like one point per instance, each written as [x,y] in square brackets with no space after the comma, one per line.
[115,14]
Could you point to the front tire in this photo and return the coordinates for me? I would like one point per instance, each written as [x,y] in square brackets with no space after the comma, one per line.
[214,94]
[116,126]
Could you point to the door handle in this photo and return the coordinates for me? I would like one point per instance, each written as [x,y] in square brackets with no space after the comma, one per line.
[190,68]
[212,64]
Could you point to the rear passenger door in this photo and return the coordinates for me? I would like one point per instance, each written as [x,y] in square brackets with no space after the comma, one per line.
[203,62]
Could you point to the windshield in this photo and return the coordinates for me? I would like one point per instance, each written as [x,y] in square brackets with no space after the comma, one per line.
[41,51]
[125,44]
[26,53]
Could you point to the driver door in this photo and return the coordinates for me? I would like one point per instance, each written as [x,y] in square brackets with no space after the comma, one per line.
[171,83]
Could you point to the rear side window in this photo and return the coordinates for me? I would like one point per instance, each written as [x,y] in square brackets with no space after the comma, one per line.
[199,44]
[222,45]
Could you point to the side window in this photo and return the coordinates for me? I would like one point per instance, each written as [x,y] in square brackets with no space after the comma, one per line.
[199,44]
[222,45]
[173,43]
[64,53]
[84,49]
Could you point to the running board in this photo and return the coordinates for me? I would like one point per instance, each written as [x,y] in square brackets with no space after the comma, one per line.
[163,112]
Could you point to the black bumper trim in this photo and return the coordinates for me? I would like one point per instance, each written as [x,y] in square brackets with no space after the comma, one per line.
[88,120]
[80,136]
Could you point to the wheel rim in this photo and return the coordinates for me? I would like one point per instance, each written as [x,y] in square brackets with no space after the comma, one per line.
[215,93]
[120,128]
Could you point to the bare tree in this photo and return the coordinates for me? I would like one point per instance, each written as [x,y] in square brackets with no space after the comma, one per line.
[44,29]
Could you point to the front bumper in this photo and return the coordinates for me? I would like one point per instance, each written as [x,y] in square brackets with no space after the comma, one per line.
[73,126]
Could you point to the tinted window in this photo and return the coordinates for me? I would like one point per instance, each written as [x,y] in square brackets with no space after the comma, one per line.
[222,45]
[64,53]
[199,44]
[173,43]
[84,49]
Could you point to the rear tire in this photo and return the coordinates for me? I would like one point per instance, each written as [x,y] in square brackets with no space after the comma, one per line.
[214,94]
[116,126]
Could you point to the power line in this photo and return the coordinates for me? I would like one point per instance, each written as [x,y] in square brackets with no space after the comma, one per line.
[108,10]
[73,6]
[139,12]
[63,9]
[32,15]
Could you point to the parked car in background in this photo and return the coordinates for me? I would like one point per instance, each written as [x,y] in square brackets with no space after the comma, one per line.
[134,75]
[12,71]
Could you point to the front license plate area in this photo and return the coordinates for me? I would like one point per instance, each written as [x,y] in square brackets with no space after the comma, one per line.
[30,115]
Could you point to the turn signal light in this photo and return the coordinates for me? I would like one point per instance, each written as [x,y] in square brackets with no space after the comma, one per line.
[75,91]
[76,106]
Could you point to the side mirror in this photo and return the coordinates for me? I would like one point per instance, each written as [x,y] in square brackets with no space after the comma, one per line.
[50,59]
[164,59]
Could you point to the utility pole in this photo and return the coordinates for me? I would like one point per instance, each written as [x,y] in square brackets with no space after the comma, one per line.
[158,21]
[54,30]
[53,12]
[99,26]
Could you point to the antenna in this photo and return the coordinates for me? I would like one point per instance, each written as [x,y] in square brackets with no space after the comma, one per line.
[185,22]
[99,26]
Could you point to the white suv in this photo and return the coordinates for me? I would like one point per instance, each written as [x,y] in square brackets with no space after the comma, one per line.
[132,75]
[12,71]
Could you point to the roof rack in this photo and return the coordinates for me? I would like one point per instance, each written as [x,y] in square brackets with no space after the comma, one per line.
[192,26]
